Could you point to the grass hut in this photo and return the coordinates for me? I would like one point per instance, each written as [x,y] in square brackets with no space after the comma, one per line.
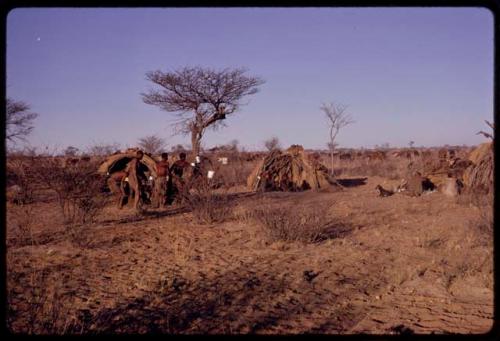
[117,162]
[479,177]
[292,170]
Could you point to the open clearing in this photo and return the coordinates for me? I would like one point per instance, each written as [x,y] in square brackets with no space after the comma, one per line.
[397,265]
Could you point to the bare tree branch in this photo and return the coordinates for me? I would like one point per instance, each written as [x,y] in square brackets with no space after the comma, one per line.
[485,134]
[19,121]
[337,119]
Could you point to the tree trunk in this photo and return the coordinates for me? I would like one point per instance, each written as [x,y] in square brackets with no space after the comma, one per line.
[195,143]
[331,162]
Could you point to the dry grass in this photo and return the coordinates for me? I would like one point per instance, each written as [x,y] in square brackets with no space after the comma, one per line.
[235,173]
[206,206]
[46,312]
[22,218]
[391,168]
[295,223]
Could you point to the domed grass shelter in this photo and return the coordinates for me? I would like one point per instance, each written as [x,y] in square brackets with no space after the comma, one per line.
[292,170]
[118,162]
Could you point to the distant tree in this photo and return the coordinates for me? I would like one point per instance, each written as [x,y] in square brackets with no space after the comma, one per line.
[71,151]
[233,145]
[103,149]
[19,120]
[201,97]
[152,144]
[385,145]
[337,118]
[272,144]
[178,148]
[411,144]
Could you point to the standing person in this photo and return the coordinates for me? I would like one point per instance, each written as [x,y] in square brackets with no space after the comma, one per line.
[134,177]
[180,165]
[114,183]
[163,174]
[176,183]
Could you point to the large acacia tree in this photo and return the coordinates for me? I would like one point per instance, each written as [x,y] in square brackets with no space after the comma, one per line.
[201,97]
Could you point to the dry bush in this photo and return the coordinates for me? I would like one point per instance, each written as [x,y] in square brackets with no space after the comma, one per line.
[79,194]
[308,224]
[21,196]
[21,179]
[21,220]
[207,206]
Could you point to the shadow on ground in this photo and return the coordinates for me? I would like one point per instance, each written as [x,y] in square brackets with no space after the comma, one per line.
[352,182]
[235,302]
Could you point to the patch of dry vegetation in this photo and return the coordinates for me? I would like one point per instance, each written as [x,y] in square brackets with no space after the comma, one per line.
[206,206]
[77,187]
[234,173]
[291,223]
[391,168]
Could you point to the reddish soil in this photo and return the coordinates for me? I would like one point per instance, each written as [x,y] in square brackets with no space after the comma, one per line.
[401,265]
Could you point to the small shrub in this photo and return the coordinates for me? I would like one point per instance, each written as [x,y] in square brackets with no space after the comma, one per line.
[21,180]
[295,223]
[207,207]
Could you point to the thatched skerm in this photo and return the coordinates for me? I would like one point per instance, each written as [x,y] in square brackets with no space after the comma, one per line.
[118,162]
[479,152]
[479,177]
[291,170]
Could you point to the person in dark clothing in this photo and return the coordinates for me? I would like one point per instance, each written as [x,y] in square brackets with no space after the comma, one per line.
[176,182]
[180,165]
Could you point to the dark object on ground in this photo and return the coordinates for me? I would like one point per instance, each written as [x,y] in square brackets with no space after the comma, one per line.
[352,182]
[382,192]
[309,275]
[402,329]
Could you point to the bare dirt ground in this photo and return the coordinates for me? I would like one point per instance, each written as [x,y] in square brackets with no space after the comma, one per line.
[399,265]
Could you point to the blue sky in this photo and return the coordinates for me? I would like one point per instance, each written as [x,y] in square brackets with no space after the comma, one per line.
[420,74]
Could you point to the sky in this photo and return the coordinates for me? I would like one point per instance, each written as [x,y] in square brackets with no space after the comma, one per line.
[405,74]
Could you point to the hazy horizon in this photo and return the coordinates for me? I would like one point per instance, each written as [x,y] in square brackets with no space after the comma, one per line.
[406,74]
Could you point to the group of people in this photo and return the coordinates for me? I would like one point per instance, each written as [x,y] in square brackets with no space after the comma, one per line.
[132,180]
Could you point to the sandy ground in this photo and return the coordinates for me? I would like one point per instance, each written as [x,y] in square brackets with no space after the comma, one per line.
[401,265]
